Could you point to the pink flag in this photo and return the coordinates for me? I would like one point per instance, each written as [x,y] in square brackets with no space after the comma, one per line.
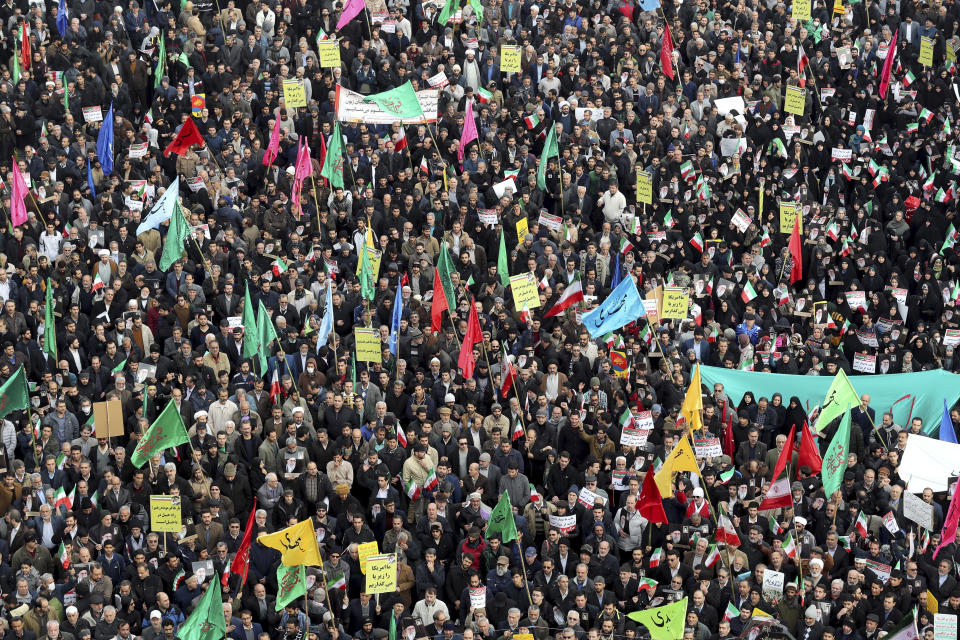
[273,148]
[469,130]
[949,533]
[888,66]
[18,203]
[303,170]
[350,11]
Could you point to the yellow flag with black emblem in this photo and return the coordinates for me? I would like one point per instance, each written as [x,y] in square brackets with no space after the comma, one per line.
[663,623]
[297,544]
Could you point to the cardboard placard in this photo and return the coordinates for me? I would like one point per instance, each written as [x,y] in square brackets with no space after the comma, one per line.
[794,100]
[790,211]
[916,509]
[381,572]
[364,551]
[510,59]
[944,626]
[864,363]
[550,221]
[565,524]
[165,514]
[926,51]
[675,304]
[644,187]
[328,51]
[108,418]
[523,228]
[772,584]
[478,597]
[801,10]
[295,93]
[708,447]
[91,114]
[368,345]
[525,292]
[137,150]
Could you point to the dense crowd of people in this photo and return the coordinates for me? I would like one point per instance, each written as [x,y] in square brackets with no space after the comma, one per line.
[742,114]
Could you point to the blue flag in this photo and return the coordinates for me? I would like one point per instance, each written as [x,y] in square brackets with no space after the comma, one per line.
[947,434]
[93,192]
[395,323]
[63,18]
[615,278]
[649,5]
[162,209]
[105,143]
[326,323]
[621,307]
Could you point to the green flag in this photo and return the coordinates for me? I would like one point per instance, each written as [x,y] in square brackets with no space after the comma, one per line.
[49,324]
[477,9]
[165,432]
[251,345]
[501,520]
[266,333]
[66,94]
[119,367]
[663,623]
[445,268]
[333,162]
[550,148]
[448,11]
[161,69]
[367,288]
[840,397]
[291,584]
[207,621]
[402,103]
[835,459]
[16,66]
[178,232]
[14,395]
[503,267]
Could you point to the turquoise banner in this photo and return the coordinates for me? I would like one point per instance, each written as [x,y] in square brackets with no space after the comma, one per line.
[906,395]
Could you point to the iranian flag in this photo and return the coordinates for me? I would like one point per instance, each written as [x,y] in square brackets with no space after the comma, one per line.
[951,238]
[726,476]
[531,121]
[926,115]
[765,238]
[517,432]
[647,584]
[507,377]
[686,171]
[97,283]
[412,490]
[731,612]
[697,242]
[534,494]
[60,497]
[748,293]
[401,438]
[63,556]
[789,546]
[668,219]
[525,313]
[339,581]
[646,334]
[483,95]
[712,556]
[424,167]
[571,296]
[907,629]
[833,231]
[655,557]
[61,460]
[908,79]
[778,495]
[626,419]
[861,524]
[275,389]
[625,245]
[774,526]
[913,127]
[278,267]
[726,532]
[401,143]
[924,541]
[928,183]
[431,482]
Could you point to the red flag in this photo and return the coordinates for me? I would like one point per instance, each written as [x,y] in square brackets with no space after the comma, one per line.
[786,455]
[25,46]
[949,532]
[241,561]
[323,153]
[439,302]
[273,147]
[809,455]
[401,142]
[507,376]
[188,136]
[627,11]
[666,52]
[470,338]
[729,443]
[778,495]
[796,250]
[802,62]
[650,505]
[888,66]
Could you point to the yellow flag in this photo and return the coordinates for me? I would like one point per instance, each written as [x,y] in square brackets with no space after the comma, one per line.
[680,459]
[693,401]
[368,239]
[297,544]
[932,605]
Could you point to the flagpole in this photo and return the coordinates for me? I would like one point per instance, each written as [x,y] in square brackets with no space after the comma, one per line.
[486,357]
[316,203]
[523,564]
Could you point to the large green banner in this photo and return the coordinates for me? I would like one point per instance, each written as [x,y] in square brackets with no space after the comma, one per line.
[906,395]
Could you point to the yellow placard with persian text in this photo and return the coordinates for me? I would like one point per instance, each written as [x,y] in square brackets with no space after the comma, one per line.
[675,304]
[367,549]
[926,51]
[368,346]
[801,10]
[510,59]
[165,514]
[523,228]
[795,100]
[329,53]
[294,94]
[644,187]
[381,574]
[790,211]
[525,291]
